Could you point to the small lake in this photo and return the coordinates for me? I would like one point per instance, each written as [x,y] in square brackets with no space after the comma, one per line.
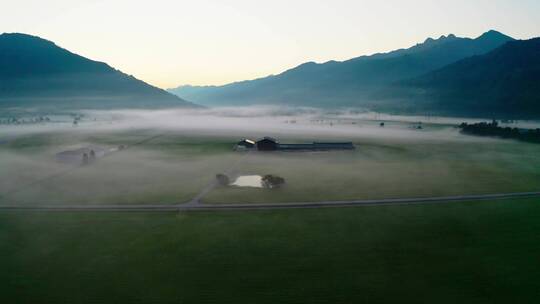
[252,181]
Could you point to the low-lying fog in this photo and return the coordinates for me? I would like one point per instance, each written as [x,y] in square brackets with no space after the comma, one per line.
[408,156]
[249,121]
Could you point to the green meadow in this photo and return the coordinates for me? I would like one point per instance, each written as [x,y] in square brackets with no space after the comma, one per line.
[391,169]
[470,252]
[168,169]
[479,252]
[171,167]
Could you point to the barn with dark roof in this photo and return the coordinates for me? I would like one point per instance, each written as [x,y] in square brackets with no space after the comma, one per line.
[267,144]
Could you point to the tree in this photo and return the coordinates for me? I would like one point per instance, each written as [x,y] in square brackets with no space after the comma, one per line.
[223,179]
[85,159]
[271,181]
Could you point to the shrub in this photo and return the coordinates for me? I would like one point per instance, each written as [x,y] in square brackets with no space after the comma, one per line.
[272,181]
[223,179]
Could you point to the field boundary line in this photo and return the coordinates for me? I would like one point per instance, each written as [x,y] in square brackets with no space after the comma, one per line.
[274,206]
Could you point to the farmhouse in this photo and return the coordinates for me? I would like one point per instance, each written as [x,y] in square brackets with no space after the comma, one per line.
[271,144]
[267,144]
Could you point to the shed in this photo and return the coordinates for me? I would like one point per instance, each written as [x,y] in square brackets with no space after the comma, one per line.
[81,155]
[245,144]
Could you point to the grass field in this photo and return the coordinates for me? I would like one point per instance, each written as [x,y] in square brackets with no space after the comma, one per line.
[392,169]
[170,169]
[174,167]
[482,252]
[476,252]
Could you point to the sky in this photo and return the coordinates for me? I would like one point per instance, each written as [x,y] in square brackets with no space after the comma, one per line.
[210,42]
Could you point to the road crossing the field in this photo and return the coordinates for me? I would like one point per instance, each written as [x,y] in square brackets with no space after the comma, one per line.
[273,206]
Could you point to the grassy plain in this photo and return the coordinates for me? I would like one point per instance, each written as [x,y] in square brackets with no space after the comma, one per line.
[392,169]
[168,169]
[173,167]
[481,252]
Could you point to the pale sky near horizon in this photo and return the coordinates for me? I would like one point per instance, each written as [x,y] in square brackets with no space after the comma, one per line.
[173,42]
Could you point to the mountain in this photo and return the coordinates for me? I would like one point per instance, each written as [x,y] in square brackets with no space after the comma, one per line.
[36,73]
[502,83]
[347,83]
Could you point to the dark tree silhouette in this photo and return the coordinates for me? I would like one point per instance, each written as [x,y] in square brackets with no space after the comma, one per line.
[493,129]
[223,179]
[272,181]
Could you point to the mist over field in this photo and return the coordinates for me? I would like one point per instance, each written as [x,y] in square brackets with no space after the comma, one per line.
[252,121]
[270,151]
[171,155]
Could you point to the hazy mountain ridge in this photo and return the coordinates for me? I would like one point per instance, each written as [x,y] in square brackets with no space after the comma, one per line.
[347,83]
[502,83]
[37,72]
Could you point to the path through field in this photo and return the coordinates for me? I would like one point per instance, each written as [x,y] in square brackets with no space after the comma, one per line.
[305,205]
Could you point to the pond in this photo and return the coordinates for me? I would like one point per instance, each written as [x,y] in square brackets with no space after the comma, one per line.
[253,181]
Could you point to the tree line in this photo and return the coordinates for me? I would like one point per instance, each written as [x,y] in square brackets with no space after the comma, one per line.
[19,121]
[493,129]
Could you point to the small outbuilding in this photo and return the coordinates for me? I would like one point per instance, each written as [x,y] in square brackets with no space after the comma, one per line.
[81,155]
[245,144]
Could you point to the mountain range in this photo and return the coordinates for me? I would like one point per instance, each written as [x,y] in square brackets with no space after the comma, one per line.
[502,83]
[491,75]
[349,82]
[35,72]
[449,75]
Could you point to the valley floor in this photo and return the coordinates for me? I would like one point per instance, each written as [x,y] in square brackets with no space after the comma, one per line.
[170,168]
[471,252]
[465,252]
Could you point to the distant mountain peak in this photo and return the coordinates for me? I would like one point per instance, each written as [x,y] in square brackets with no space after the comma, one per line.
[36,72]
[24,37]
[19,41]
[494,35]
[348,82]
[442,38]
[472,85]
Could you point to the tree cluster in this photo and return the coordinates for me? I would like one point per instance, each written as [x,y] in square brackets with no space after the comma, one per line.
[222,179]
[493,129]
[20,121]
[271,181]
